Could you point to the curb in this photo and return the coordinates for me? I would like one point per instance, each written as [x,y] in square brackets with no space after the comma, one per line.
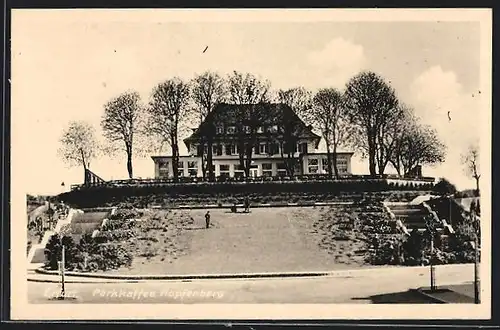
[261,205]
[188,277]
[431,297]
[335,273]
[82,282]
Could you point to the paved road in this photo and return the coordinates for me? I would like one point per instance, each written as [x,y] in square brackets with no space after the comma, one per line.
[388,285]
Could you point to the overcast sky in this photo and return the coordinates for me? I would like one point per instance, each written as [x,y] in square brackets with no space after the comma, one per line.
[65,66]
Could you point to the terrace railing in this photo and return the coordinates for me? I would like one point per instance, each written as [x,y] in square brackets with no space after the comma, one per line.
[224,179]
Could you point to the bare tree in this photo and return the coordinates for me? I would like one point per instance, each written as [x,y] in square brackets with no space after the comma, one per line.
[328,116]
[208,89]
[79,145]
[122,123]
[416,144]
[249,117]
[371,106]
[253,93]
[471,162]
[246,88]
[299,100]
[167,109]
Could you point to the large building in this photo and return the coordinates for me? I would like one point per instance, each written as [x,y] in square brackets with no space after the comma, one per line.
[268,128]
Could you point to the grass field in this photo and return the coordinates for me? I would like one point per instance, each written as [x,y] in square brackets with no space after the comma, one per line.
[265,240]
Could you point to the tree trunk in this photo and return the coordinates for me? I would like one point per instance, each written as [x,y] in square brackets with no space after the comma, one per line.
[329,160]
[285,160]
[202,155]
[210,165]
[129,162]
[477,185]
[85,179]
[291,164]
[334,160]
[85,176]
[371,155]
[248,159]
[175,158]
[397,165]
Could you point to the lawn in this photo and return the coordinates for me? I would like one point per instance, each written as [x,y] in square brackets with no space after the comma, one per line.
[265,240]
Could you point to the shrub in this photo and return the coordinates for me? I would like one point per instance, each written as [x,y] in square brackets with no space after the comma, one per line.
[53,251]
[385,250]
[117,224]
[126,214]
[108,256]
[114,235]
[444,187]
[414,248]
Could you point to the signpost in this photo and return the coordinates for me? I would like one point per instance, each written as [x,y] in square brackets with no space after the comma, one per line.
[476,227]
[431,228]
[433,270]
[476,269]
[62,266]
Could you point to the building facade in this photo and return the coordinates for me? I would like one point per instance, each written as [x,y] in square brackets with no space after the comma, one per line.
[274,133]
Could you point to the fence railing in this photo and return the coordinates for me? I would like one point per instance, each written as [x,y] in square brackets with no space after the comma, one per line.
[224,179]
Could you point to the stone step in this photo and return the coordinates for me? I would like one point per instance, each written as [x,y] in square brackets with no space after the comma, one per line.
[39,256]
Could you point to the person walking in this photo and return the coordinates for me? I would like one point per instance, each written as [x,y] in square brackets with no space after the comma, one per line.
[207,219]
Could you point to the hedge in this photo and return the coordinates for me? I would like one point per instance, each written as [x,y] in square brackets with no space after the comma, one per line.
[104,195]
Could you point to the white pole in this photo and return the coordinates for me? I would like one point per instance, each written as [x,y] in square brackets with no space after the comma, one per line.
[62,270]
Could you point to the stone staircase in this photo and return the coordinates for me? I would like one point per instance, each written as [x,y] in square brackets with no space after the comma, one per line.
[411,216]
[76,224]
[86,223]
[36,255]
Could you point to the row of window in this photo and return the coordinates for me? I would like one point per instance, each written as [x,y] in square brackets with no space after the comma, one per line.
[324,161]
[341,162]
[224,169]
[260,148]
[246,129]
[313,165]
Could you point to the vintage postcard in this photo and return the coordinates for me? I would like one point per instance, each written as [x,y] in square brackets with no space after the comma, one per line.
[251,164]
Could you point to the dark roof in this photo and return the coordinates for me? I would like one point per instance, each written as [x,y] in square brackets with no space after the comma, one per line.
[261,114]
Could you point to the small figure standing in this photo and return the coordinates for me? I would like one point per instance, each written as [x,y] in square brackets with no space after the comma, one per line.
[207,219]
[247,205]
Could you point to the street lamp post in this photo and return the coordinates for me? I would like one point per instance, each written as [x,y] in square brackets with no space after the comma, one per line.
[476,227]
[431,229]
[431,261]
[63,263]
[476,269]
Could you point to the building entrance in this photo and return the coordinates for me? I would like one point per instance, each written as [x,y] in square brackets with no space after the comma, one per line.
[254,172]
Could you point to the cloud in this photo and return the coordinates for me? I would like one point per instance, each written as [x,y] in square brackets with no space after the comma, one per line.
[337,61]
[435,93]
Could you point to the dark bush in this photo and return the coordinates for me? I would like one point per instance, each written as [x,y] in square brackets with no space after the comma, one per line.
[444,187]
[108,256]
[53,251]
[116,224]
[126,214]
[114,235]
[386,250]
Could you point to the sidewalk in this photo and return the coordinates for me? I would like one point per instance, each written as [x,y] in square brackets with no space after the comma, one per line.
[450,294]
[46,275]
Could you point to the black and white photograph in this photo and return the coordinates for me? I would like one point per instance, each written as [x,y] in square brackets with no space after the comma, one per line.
[219,164]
